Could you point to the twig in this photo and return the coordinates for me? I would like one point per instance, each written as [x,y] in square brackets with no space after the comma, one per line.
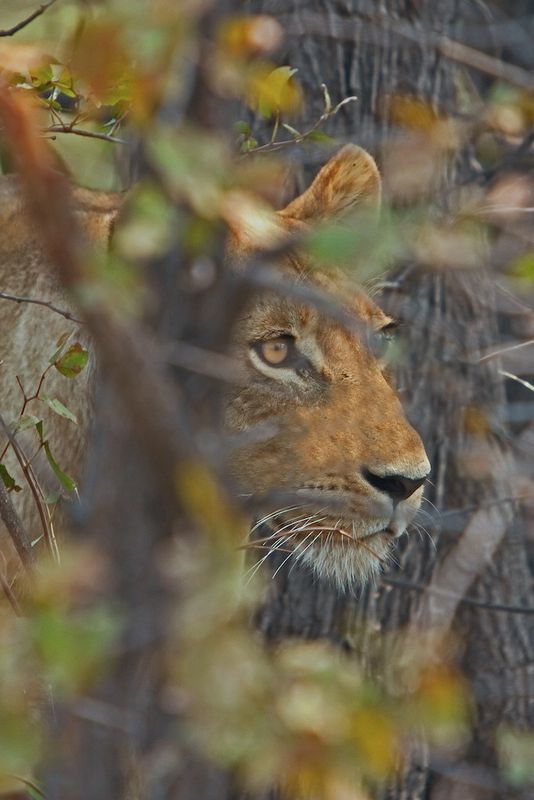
[471,601]
[204,362]
[105,137]
[298,137]
[510,498]
[509,349]
[35,489]
[37,302]
[26,21]
[13,602]
[15,528]
[30,784]
[513,377]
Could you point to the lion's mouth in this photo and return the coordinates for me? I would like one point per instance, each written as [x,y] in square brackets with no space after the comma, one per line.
[309,531]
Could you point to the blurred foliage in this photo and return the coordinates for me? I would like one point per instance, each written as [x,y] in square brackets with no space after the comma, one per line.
[515,755]
[55,651]
[301,714]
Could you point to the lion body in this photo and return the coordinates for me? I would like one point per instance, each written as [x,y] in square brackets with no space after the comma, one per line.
[29,337]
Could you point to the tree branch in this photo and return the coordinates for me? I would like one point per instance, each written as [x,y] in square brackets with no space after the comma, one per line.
[104,137]
[15,528]
[26,21]
[37,302]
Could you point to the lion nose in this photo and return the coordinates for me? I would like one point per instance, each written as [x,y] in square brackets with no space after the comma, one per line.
[398,487]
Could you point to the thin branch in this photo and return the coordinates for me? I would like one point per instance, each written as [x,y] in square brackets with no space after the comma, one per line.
[204,362]
[30,784]
[26,21]
[104,137]
[13,602]
[15,528]
[513,377]
[510,498]
[481,210]
[37,302]
[35,489]
[471,601]
[502,350]
[298,137]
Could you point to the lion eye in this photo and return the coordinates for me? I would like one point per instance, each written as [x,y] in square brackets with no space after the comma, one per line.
[275,352]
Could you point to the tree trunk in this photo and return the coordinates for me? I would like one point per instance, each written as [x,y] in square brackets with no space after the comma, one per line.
[452,319]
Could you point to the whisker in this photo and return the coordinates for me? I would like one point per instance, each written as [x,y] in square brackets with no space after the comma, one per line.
[293,553]
[370,550]
[255,567]
[253,546]
[300,556]
[421,529]
[430,503]
[272,514]
[277,532]
[424,513]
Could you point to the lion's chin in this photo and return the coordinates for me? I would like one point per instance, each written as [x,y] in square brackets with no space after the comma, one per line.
[348,565]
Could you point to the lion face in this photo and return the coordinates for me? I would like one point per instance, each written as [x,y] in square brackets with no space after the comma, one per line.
[327,449]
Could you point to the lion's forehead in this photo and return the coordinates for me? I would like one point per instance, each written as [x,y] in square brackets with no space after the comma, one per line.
[271,315]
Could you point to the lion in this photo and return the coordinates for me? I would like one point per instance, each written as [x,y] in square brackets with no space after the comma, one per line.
[326,450]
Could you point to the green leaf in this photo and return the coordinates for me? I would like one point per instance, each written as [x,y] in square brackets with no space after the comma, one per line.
[334,244]
[523,267]
[39,429]
[60,344]
[60,639]
[63,82]
[41,76]
[58,407]
[515,748]
[25,422]
[52,498]
[63,478]
[8,480]
[320,137]
[248,145]
[73,361]
[242,128]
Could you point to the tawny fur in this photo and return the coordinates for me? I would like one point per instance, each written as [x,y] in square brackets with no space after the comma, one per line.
[326,427]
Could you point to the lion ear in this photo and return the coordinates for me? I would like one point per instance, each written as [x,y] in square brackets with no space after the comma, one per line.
[349,180]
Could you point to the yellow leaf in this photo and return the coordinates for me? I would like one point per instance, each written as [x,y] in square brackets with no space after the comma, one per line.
[271,91]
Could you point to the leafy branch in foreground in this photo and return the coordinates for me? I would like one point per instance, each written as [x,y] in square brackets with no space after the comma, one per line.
[69,361]
[248,144]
